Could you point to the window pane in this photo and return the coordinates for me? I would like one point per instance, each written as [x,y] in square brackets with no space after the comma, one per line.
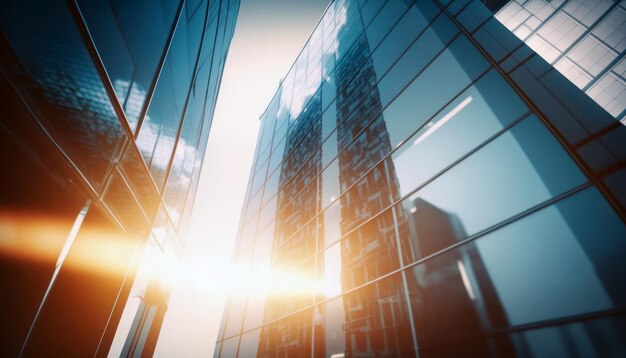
[467,122]
[372,321]
[521,274]
[521,168]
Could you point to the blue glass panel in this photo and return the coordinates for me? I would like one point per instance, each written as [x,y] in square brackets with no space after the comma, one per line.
[469,120]
[413,22]
[329,119]
[520,274]
[384,21]
[163,120]
[521,168]
[474,15]
[349,27]
[370,9]
[145,26]
[589,338]
[421,53]
[448,75]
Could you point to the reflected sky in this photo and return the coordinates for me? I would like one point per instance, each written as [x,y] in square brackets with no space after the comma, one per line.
[268,37]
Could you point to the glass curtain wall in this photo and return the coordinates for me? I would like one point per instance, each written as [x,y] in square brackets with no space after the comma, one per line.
[108,109]
[424,183]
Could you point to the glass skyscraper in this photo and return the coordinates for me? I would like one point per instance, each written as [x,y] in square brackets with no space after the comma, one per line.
[425,183]
[584,39]
[107,107]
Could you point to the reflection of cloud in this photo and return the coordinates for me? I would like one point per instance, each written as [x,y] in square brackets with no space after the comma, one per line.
[186,164]
[301,92]
[156,147]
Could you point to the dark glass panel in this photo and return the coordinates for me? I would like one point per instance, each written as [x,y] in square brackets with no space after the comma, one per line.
[615,182]
[474,15]
[97,263]
[38,207]
[107,35]
[130,56]
[46,59]
[496,40]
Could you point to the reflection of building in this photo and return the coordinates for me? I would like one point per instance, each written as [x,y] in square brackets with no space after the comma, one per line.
[470,299]
[82,84]
[583,39]
[366,254]
[291,242]
[456,183]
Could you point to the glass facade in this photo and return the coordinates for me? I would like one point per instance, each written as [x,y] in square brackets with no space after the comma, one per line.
[424,183]
[107,109]
[584,39]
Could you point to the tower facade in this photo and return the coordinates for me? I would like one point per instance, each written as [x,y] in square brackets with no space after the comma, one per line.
[425,183]
[584,39]
[107,111]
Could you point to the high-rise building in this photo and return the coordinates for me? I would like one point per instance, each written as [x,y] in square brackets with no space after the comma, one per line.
[107,107]
[425,183]
[584,39]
